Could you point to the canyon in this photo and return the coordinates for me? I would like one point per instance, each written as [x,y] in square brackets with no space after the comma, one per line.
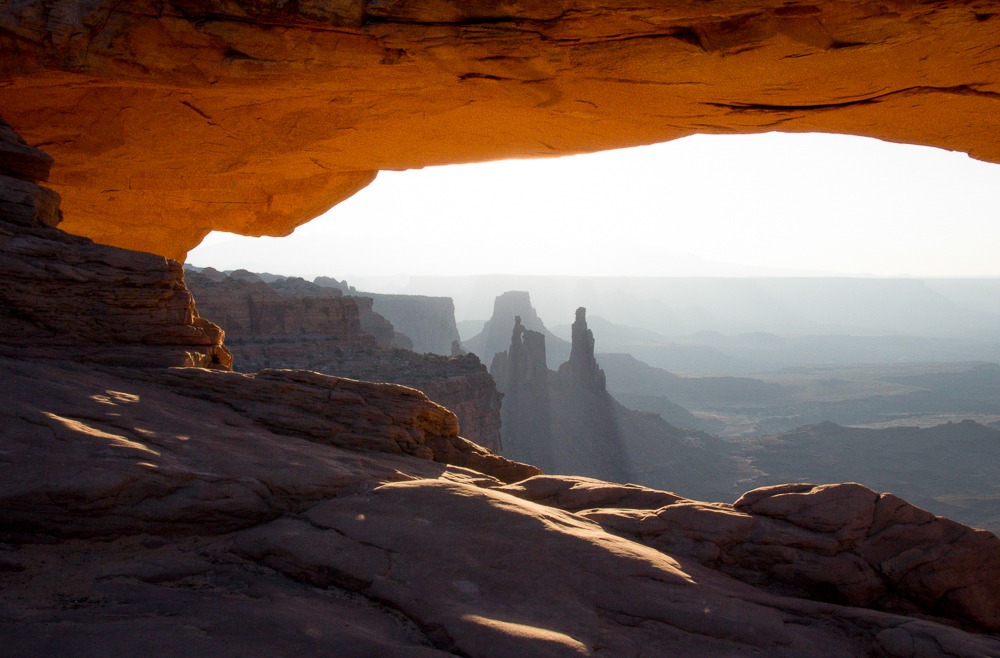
[293,323]
[154,500]
[148,502]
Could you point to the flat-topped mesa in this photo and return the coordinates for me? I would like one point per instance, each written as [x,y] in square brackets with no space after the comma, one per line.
[495,336]
[252,310]
[582,368]
[428,322]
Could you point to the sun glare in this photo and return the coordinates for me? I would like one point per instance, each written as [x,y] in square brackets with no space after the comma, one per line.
[772,204]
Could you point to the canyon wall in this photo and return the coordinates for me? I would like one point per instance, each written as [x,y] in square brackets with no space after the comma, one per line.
[292,323]
[429,322]
[459,383]
[253,310]
[65,295]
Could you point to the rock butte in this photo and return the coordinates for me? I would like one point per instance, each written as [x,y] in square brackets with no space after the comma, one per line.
[169,120]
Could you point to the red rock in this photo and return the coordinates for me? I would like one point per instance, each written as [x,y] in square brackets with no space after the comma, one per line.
[171,120]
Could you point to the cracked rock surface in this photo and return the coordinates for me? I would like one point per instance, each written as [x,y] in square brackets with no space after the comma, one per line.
[163,508]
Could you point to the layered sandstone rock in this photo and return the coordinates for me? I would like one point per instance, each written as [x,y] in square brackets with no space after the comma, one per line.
[460,384]
[173,119]
[252,310]
[475,401]
[199,511]
[292,323]
[182,511]
[63,295]
[428,322]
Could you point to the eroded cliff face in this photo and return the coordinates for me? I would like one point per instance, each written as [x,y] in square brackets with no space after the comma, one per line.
[251,310]
[429,322]
[459,383]
[64,296]
[292,323]
[523,378]
[173,119]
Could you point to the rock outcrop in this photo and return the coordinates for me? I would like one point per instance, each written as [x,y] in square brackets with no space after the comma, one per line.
[292,323]
[206,511]
[174,119]
[191,511]
[429,322]
[566,423]
[522,377]
[948,469]
[588,434]
[253,310]
[495,336]
[842,543]
[461,384]
[64,295]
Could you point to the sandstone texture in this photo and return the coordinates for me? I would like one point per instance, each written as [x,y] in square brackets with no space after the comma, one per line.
[253,310]
[173,119]
[64,295]
[293,323]
[179,511]
[461,384]
[841,543]
[190,511]
[187,510]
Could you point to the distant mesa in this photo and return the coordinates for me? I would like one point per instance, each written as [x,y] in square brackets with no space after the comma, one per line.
[495,336]
[248,308]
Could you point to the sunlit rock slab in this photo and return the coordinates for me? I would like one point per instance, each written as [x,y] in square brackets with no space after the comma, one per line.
[188,509]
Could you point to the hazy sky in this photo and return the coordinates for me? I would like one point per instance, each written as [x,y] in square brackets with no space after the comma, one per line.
[704,205]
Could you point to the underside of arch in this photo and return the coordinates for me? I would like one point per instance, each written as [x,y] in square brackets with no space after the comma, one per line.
[168,120]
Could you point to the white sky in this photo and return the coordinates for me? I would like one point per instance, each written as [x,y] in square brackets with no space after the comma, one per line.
[700,206]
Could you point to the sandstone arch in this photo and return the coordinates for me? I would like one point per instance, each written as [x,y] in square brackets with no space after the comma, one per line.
[168,120]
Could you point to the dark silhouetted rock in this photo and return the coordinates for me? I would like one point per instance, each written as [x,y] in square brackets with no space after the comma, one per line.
[429,322]
[523,378]
[495,336]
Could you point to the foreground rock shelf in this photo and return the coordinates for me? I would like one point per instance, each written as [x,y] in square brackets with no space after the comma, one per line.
[169,120]
[195,510]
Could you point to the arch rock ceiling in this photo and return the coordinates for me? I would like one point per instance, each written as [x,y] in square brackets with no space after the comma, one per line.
[168,120]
